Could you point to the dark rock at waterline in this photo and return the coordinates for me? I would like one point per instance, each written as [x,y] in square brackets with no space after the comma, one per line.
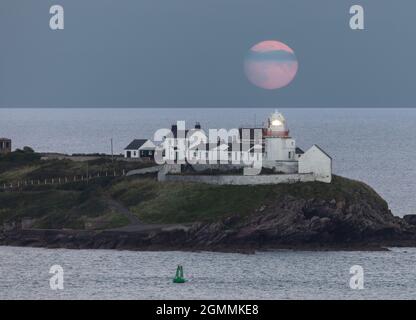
[410,219]
[309,223]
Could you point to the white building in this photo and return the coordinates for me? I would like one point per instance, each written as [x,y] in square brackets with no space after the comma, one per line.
[279,152]
[280,149]
[140,148]
[317,162]
[282,155]
[271,146]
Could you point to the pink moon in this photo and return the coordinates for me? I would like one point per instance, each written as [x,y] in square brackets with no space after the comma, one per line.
[271,65]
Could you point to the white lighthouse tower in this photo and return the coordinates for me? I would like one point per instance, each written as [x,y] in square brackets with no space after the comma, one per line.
[280,148]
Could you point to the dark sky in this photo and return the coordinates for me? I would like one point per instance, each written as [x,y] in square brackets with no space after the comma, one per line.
[190,53]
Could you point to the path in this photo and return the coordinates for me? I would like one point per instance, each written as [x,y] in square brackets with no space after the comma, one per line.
[118,207]
[135,225]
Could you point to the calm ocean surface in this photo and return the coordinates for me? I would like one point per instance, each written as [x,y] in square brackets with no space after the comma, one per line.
[106,274]
[377,146]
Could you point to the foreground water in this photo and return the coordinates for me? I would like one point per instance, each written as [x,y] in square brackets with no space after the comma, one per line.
[376,146]
[106,274]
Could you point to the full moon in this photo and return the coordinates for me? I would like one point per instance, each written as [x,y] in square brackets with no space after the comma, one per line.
[270,65]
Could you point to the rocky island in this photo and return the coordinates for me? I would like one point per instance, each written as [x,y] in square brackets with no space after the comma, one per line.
[140,213]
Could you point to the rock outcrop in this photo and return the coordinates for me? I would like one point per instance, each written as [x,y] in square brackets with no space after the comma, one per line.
[410,219]
[345,215]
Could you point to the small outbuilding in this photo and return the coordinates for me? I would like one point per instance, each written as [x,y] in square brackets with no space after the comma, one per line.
[318,162]
[140,148]
[5,145]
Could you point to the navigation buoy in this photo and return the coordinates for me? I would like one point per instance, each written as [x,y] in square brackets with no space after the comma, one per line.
[179,275]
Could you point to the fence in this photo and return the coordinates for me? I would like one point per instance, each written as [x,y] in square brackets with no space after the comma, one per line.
[11,186]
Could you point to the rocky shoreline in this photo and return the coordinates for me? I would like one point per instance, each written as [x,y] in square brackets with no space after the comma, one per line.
[342,215]
[295,224]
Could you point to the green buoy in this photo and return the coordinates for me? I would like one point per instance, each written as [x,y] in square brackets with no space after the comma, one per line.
[179,275]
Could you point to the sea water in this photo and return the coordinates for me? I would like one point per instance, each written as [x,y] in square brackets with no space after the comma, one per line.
[111,274]
[376,146]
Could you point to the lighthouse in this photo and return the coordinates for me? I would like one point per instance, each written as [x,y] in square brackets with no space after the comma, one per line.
[280,161]
[280,148]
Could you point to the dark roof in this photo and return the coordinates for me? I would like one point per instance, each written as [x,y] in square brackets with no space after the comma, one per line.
[135,144]
[299,151]
[177,132]
[252,132]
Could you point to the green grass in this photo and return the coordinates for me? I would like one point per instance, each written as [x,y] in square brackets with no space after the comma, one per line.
[52,206]
[18,159]
[74,204]
[197,202]
[69,205]
[168,202]
[19,166]
[56,209]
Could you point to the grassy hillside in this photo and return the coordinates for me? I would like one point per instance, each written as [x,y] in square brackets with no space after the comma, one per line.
[75,205]
[20,165]
[70,205]
[178,202]
[169,202]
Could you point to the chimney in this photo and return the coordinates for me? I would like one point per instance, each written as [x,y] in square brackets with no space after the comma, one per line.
[174,130]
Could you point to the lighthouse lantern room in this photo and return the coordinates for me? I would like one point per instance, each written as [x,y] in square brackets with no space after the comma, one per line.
[280,148]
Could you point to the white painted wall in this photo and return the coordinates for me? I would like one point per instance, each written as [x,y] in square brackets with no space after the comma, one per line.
[282,166]
[134,153]
[277,149]
[317,162]
[239,179]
